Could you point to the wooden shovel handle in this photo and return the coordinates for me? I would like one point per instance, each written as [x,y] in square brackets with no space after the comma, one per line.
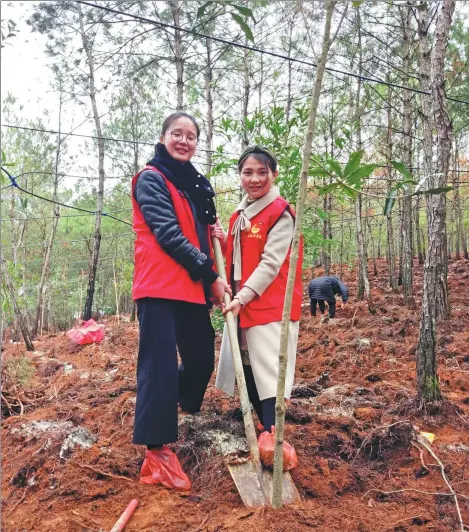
[238,366]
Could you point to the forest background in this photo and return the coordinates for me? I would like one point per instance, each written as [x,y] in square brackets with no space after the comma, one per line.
[112,78]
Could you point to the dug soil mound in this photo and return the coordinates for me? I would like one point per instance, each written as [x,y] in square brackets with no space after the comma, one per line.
[69,465]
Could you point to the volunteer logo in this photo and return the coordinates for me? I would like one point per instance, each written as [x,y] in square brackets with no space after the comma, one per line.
[255,229]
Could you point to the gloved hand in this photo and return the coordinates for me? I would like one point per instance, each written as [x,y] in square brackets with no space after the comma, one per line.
[161,466]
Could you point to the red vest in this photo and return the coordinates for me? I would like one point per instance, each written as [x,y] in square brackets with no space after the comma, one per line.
[156,274]
[268,307]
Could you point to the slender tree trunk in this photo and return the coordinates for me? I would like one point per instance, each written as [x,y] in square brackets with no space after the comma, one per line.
[341,255]
[400,244]
[18,314]
[457,204]
[407,247]
[326,234]
[99,204]
[434,283]
[390,255]
[260,87]
[289,84]
[327,204]
[417,230]
[372,242]
[277,498]
[363,278]
[425,69]
[134,123]
[380,230]
[38,323]
[209,98]
[247,88]
[364,286]
[449,232]
[116,291]
[178,56]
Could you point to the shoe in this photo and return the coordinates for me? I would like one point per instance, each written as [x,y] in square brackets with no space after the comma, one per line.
[161,466]
[266,442]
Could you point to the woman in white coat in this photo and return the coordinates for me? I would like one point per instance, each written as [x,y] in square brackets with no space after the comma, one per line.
[257,248]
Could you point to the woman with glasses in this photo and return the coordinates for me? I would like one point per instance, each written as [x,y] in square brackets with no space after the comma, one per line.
[174,286]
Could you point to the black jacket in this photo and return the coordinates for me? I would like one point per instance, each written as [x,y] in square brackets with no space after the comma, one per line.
[154,200]
[326,288]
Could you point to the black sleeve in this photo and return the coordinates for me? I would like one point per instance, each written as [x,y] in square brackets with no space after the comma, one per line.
[343,291]
[154,200]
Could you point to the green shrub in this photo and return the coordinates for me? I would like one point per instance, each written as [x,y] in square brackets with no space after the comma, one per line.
[20,370]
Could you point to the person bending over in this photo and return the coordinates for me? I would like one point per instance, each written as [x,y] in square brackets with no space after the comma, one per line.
[324,289]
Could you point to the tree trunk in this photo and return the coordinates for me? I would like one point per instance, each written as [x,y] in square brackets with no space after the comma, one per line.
[363,278]
[277,498]
[341,254]
[247,88]
[178,56]
[372,243]
[208,97]
[326,234]
[390,255]
[457,205]
[407,248]
[417,230]
[380,230]
[364,283]
[449,232]
[116,291]
[38,323]
[444,143]
[18,314]
[260,88]
[434,283]
[99,204]
[400,244]
[289,83]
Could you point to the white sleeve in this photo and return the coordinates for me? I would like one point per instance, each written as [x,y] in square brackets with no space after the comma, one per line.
[275,252]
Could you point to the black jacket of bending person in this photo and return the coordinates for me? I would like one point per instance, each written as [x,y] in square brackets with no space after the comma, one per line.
[326,288]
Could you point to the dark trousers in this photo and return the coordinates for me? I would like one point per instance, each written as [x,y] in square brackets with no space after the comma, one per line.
[265,409]
[322,307]
[165,324]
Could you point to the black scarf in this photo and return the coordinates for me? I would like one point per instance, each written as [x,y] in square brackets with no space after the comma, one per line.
[185,177]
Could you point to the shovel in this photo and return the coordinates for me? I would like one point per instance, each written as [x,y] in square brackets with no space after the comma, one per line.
[254,483]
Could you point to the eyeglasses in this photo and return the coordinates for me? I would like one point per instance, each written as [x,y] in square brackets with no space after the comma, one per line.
[177,136]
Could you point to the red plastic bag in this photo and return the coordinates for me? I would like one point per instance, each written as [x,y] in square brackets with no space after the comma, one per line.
[266,444]
[161,466]
[89,332]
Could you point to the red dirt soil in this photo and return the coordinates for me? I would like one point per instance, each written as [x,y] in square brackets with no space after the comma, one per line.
[350,420]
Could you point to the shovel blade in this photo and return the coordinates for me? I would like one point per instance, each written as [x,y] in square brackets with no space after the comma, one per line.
[252,493]
[247,483]
[290,493]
